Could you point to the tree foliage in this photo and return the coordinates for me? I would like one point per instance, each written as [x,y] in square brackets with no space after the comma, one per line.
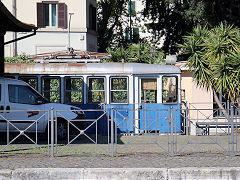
[222,11]
[172,19]
[22,58]
[109,26]
[214,56]
[139,53]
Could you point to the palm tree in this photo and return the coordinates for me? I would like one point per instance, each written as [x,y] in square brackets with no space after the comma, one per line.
[214,56]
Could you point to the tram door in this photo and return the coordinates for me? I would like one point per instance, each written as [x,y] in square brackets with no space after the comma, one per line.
[147,113]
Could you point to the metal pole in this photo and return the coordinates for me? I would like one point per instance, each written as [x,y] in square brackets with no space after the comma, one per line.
[69,23]
[186,120]
[232,130]
[52,133]
[171,121]
[112,133]
[130,14]
[14,12]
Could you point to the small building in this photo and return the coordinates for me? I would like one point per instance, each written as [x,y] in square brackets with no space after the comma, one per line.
[54,20]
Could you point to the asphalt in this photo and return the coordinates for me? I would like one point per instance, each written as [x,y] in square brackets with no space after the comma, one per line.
[131,152]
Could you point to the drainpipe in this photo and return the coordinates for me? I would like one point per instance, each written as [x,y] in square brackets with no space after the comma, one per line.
[2,33]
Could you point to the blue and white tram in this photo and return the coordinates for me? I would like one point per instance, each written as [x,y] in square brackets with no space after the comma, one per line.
[135,89]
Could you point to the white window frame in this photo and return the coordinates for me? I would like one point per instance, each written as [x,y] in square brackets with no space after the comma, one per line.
[104,89]
[65,88]
[111,90]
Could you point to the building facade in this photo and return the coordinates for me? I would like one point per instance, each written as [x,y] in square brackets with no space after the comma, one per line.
[53,19]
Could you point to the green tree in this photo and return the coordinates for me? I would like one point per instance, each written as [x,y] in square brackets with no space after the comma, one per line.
[214,56]
[222,11]
[172,19]
[22,58]
[139,53]
[109,26]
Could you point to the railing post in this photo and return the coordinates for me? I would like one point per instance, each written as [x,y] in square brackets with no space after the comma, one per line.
[172,140]
[232,130]
[112,132]
[186,120]
[52,133]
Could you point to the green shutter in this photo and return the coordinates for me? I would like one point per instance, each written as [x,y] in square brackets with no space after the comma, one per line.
[132,7]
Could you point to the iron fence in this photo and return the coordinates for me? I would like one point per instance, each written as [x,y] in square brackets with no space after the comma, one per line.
[115,131]
[20,132]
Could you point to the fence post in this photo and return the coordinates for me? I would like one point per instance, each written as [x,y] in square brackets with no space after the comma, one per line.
[232,129]
[52,133]
[186,120]
[172,140]
[112,132]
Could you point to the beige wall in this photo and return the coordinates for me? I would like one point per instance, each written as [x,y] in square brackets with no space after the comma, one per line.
[199,100]
[51,39]
[27,11]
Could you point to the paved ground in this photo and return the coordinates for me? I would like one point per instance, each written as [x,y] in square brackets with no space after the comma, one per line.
[132,152]
[127,161]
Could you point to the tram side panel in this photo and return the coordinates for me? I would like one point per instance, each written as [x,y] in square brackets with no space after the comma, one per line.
[155,118]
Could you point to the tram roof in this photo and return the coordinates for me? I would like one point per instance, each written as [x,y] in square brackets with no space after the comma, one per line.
[90,68]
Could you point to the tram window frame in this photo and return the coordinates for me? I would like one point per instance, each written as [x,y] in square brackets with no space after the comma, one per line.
[89,93]
[155,91]
[72,90]
[176,90]
[44,91]
[28,78]
[117,90]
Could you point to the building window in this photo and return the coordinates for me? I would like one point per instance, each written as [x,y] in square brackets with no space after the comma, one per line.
[73,90]
[96,90]
[51,14]
[51,89]
[148,90]
[119,90]
[133,8]
[135,34]
[92,18]
[169,89]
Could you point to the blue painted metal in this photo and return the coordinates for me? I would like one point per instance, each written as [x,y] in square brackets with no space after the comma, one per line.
[156,118]
[152,117]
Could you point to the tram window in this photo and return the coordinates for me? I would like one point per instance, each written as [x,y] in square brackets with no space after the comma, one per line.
[149,90]
[73,90]
[10,77]
[51,88]
[32,81]
[119,90]
[96,90]
[169,89]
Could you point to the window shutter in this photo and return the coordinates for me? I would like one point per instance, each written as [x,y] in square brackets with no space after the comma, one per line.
[62,15]
[40,15]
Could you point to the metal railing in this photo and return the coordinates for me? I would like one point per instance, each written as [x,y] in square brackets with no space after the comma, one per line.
[114,131]
[18,126]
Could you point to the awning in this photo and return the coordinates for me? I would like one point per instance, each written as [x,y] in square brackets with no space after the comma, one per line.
[10,23]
